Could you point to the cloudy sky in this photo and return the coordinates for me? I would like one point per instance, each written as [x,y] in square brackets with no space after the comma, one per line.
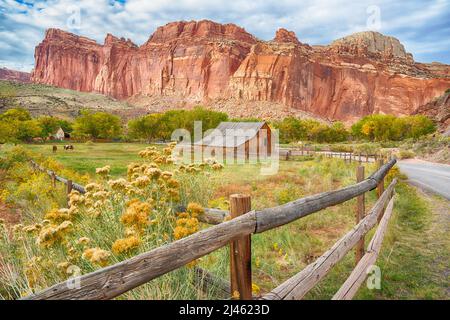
[423,26]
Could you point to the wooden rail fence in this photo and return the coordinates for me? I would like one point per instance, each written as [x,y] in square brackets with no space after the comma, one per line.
[114,280]
[288,154]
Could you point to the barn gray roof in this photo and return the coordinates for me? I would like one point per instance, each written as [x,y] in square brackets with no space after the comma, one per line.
[231,134]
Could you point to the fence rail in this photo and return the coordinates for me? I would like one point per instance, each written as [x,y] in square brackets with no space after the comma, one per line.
[114,280]
[288,153]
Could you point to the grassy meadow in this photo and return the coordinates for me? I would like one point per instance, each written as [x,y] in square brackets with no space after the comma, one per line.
[276,255]
[86,157]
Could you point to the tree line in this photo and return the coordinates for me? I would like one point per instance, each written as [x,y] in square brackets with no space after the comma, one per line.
[18,125]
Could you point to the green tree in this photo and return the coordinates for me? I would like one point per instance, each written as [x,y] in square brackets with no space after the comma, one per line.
[161,126]
[146,127]
[388,127]
[17,114]
[17,125]
[27,130]
[49,125]
[97,125]
[420,125]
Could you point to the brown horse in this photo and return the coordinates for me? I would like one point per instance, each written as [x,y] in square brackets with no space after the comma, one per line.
[55,148]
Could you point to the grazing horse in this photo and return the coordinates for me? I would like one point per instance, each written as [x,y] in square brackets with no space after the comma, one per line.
[55,148]
[68,147]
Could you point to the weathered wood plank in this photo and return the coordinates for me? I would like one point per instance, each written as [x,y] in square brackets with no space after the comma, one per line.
[359,274]
[114,280]
[380,186]
[360,212]
[296,287]
[240,252]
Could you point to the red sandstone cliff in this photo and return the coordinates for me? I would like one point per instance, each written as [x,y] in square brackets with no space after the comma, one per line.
[13,75]
[439,110]
[209,63]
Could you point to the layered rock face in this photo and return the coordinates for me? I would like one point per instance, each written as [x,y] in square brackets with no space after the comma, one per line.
[439,110]
[209,63]
[13,75]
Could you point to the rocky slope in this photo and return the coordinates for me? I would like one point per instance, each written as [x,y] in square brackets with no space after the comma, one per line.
[225,67]
[42,99]
[13,75]
[439,110]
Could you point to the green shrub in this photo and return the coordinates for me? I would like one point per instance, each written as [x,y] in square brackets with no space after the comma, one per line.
[341,148]
[379,127]
[406,154]
[13,155]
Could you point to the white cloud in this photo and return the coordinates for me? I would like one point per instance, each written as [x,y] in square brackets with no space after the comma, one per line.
[315,21]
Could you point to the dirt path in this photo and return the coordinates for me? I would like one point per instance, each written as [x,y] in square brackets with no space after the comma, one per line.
[9,215]
[437,238]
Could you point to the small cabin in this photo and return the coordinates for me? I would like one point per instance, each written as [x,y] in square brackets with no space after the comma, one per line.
[58,135]
[239,139]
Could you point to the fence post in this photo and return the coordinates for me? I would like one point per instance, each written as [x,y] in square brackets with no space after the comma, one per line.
[69,190]
[350,159]
[360,213]
[240,252]
[380,186]
[53,176]
[288,153]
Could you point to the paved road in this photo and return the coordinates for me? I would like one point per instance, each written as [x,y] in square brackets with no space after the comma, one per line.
[434,177]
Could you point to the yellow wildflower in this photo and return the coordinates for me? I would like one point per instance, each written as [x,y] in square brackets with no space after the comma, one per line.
[101,195]
[217,166]
[154,173]
[172,183]
[118,185]
[51,234]
[103,171]
[256,289]
[136,214]
[195,209]
[166,175]
[96,256]
[91,187]
[75,198]
[141,182]
[32,271]
[83,240]
[57,215]
[32,228]
[63,266]
[125,245]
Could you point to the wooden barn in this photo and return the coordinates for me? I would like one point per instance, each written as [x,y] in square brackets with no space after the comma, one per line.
[58,135]
[239,140]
